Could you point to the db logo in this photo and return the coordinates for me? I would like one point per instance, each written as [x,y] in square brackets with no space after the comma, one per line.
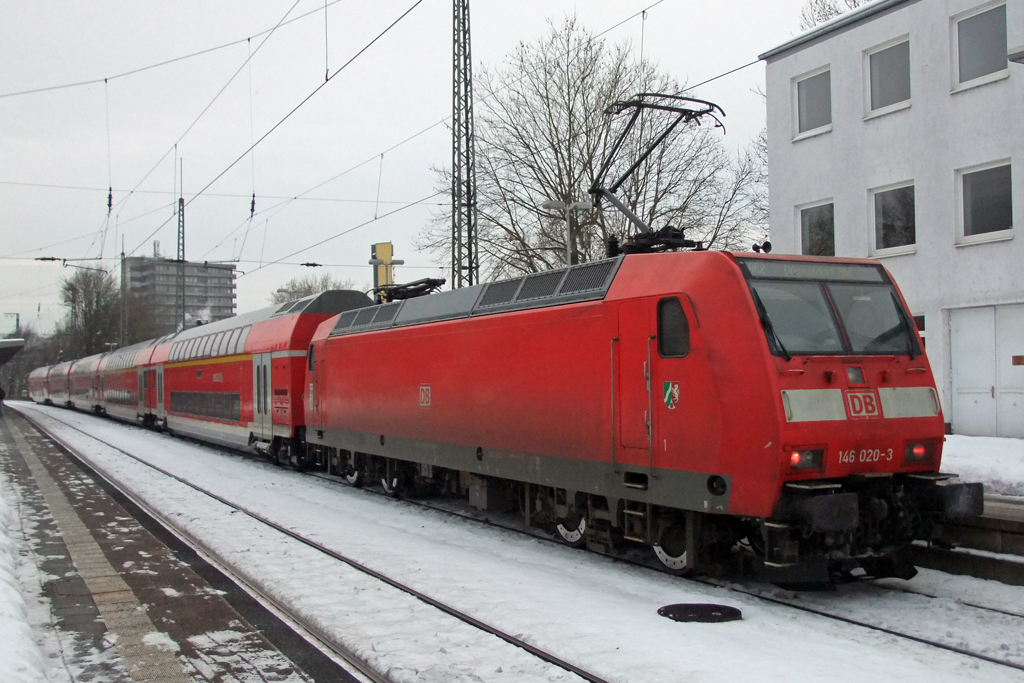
[425,395]
[862,404]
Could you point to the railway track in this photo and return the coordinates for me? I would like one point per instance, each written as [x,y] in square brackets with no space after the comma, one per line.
[764,594]
[769,594]
[319,635]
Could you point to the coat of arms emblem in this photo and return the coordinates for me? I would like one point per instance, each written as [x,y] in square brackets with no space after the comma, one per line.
[671,395]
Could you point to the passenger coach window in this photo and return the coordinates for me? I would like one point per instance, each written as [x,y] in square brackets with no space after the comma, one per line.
[673,329]
[240,347]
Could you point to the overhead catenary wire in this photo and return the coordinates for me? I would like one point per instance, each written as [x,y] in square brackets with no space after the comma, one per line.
[307,98]
[436,124]
[344,232]
[335,177]
[166,62]
[303,195]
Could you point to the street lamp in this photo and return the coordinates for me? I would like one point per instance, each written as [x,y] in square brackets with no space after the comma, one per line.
[567,209]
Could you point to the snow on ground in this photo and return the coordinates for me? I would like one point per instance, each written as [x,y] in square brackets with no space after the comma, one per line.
[590,610]
[998,463]
[20,658]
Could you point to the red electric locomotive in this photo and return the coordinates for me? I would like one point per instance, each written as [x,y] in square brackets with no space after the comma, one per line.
[683,400]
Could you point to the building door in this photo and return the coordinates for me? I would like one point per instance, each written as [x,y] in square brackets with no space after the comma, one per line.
[634,376]
[1010,370]
[987,353]
[262,419]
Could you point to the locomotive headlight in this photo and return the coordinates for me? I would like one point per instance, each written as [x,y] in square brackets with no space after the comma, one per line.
[809,459]
[918,454]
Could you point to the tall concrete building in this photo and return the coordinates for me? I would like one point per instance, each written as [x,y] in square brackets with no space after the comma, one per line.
[209,288]
[895,132]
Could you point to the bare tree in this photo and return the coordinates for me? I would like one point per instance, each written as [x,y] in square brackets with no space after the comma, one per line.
[815,12]
[93,302]
[298,287]
[542,134]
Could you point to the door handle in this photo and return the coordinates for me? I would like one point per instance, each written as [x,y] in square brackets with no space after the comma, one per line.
[992,390]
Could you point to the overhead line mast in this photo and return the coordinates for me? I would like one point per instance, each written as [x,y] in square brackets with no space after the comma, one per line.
[465,257]
[179,280]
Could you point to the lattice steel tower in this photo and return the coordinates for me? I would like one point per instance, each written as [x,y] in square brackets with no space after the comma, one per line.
[465,259]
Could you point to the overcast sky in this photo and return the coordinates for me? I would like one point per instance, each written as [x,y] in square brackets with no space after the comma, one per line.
[57,158]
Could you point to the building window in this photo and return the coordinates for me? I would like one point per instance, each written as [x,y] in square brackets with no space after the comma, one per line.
[889,71]
[814,102]
[894,218]
[981,45]
[919,324]
[817,230]
[987,201]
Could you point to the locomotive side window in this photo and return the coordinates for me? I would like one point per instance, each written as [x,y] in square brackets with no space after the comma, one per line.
[673,329]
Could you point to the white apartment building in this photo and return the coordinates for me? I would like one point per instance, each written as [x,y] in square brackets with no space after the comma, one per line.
[896,132]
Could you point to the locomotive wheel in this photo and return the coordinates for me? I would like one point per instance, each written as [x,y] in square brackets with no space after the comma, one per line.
[573,529]
[392,486]
[670,549]
[353,472]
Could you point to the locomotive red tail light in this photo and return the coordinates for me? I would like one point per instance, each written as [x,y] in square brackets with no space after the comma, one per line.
[809,459]
[918,454]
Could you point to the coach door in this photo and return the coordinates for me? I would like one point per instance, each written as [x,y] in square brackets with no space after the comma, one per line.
[633,395]
[261,380]
[140,395]
[160,391]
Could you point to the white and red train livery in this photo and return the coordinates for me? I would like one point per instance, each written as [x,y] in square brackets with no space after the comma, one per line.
[689,401]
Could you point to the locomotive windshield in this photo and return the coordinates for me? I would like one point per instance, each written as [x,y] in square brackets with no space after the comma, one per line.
[818,309]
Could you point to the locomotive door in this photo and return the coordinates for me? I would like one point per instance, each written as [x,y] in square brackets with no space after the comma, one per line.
[315,400]
[261,380]
[634,376]
[672,373]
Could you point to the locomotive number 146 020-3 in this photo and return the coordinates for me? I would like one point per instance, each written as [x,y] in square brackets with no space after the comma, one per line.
[865,455]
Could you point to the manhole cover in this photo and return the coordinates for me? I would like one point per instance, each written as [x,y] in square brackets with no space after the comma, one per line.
[698,612]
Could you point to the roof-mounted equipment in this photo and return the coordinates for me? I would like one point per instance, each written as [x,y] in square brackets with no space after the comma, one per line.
[409,290]
[686,110]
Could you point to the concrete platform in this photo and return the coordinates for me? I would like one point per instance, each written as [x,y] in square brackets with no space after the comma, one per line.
[130,601]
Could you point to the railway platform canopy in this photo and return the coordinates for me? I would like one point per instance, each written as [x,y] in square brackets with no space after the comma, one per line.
[9,347]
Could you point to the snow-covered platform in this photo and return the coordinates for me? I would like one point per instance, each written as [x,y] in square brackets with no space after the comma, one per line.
[88,593]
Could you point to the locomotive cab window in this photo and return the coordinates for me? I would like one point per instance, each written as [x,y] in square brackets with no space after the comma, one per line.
[811,308]
[673,329]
